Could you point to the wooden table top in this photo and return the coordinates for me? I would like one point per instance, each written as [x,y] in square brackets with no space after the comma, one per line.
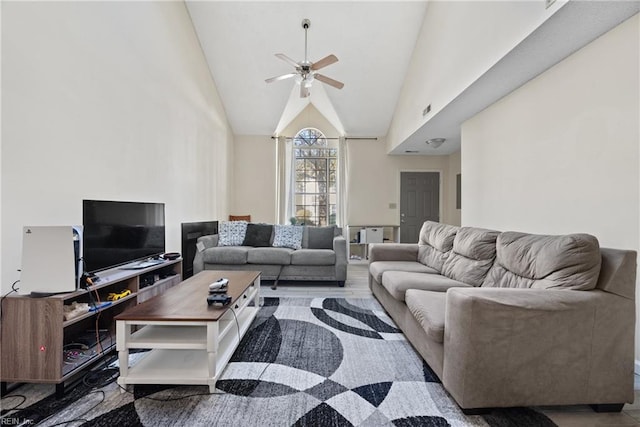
[187,301]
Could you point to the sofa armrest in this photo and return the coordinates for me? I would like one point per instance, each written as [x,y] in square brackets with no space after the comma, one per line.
[340,248]
[512,347]
[393,252]
[209,241]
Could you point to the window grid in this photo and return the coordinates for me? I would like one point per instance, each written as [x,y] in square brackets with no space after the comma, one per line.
[315,179]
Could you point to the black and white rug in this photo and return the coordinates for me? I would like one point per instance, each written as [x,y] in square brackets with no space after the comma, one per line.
[303,362]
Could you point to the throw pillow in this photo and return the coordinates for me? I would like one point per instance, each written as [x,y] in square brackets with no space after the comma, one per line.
[258,235]
[232,233]
[321,237]
[288,236]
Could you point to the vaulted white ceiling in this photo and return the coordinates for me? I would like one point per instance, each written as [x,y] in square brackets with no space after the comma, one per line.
[372,40]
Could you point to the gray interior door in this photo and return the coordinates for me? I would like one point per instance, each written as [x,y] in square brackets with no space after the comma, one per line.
[419,202]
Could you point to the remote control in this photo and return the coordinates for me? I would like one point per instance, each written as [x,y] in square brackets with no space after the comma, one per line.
[218,299]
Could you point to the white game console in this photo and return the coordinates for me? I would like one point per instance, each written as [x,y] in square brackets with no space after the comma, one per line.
[219,285]
[51,259]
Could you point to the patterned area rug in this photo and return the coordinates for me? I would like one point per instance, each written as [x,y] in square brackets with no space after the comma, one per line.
[303,362]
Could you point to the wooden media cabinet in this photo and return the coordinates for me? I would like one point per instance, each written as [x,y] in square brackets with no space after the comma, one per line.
[40,345]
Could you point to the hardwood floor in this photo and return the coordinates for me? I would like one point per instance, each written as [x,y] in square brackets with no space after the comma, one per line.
[357,286]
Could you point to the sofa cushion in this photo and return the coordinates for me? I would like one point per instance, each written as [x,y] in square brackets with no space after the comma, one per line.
[428,308]
[378,267]
[313,257]
[258,235]
[523,260]
[398,282]
[281,256]
[232,233]
[472,255]
[287,236]
[226,255]
[319,237]
[436,241]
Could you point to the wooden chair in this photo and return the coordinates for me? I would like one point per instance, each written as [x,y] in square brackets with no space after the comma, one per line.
[240,218]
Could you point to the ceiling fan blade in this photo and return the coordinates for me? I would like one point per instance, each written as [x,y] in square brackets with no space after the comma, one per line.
[282,77]
[329,81]
[304,91]
[327,60]
[285,58]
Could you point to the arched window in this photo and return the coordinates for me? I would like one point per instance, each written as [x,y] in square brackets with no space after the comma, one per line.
[315,180]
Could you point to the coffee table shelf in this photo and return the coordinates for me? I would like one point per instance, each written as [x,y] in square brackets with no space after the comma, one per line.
[169,336]
[162,366]
[189,345]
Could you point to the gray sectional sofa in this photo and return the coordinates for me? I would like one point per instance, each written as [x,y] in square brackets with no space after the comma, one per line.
[321,256]
[513,319]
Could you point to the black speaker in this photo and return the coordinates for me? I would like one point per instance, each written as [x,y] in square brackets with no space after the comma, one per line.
[171,255]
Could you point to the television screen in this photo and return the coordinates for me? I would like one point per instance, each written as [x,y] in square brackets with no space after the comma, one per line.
[117,233]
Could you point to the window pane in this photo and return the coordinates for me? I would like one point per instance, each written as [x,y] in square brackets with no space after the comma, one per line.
[315,175]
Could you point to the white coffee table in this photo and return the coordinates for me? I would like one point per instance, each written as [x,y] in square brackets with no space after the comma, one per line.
[191,342]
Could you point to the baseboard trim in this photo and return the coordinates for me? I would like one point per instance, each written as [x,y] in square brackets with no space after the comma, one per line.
[636,367]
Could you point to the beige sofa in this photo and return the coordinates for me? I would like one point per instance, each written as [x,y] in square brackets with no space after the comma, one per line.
[514,319]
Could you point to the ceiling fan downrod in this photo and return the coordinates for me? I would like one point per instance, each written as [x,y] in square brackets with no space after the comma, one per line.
[305,24]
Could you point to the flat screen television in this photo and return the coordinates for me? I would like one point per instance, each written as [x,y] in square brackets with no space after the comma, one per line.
[118,233]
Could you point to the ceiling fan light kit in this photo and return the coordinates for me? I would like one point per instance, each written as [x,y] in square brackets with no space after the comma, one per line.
[306,69]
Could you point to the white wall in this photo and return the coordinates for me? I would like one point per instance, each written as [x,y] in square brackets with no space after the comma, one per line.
[310,117]
[374,176]
[106,100]
[254,173]
[458,42]
[561,154]
[374,183]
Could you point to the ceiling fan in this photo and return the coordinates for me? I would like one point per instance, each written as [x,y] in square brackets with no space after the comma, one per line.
[306,69]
